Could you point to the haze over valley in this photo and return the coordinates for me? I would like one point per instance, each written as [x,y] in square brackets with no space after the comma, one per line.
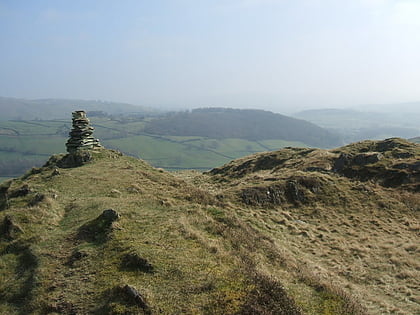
[31,130]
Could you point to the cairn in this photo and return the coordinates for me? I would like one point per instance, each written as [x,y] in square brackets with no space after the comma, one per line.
[81,134]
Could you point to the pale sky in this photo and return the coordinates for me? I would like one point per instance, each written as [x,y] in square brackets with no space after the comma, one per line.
[272,54]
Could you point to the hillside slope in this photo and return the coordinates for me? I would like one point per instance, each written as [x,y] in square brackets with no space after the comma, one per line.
[45,109]
[355,125]
[350,214]
[242,124]
[295,231]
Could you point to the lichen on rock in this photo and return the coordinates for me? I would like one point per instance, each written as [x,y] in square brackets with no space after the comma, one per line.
[81,133]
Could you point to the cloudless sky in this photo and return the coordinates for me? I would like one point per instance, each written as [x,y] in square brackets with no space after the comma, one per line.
[274,54]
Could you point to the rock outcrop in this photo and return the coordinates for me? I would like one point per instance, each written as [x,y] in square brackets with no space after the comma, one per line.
[9,229]
[81,134]
[132,261]
[100,229]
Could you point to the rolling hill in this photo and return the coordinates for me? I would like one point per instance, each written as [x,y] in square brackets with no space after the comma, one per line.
[379,123]
[212,137]
[47,109]
[416,139]
[294,231]
[243,124]
[24,144]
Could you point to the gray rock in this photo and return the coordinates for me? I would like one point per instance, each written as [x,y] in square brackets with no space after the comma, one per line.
[38,198]
[100,229]
[110,215]
[294,193]
[9,229]
[55,172]
[347,160]
[367,158]
[75,159]
[135,297]
[20,192]
[342,162]
[412,167]
[81,134]
[134,262]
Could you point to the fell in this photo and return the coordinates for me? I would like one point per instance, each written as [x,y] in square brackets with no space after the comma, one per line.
[296,231]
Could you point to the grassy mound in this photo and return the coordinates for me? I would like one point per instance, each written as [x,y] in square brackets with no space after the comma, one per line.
[113,235]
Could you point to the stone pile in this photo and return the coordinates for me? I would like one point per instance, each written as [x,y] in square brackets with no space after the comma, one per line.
[81,134]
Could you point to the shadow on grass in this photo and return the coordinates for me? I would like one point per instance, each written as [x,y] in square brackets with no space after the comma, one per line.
[25,276]
[123,300]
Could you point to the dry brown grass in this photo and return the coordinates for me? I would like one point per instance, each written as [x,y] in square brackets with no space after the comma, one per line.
[357,238]
[345,248]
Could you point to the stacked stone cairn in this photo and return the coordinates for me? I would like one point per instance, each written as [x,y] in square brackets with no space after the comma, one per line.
[81,134]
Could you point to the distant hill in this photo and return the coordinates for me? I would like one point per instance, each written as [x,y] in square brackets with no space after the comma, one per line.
[46,109]
[416,139]
[356,125]
[242,124]
[410,107]
[24,144]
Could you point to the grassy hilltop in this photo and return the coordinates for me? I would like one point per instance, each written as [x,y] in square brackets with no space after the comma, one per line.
[295,231]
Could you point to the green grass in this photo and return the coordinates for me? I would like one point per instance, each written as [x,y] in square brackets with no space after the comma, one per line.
[47,127]
[191,152]
[33,144]
[211,253]
[24,144]
[166,154]
[189,276]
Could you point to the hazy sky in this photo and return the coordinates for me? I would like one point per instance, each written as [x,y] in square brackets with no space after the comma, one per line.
[273,54]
